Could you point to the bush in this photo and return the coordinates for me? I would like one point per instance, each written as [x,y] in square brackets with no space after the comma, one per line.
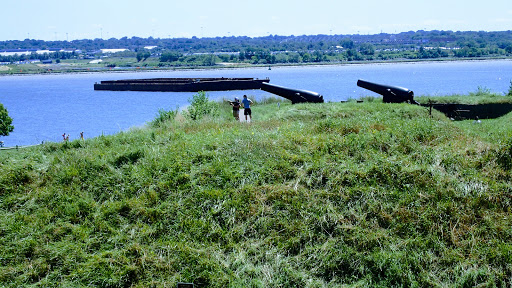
[5,122]
[481,91]
[201,106]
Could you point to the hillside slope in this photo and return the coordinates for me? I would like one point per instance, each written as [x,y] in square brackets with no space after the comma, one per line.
[318,195]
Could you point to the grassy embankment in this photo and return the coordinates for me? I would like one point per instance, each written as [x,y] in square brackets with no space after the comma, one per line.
[310,195]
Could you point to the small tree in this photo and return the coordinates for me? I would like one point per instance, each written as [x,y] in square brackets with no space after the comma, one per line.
[510,89]
[5,122]
[201,106]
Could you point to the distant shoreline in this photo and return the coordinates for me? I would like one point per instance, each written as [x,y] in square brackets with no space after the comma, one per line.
[95,70]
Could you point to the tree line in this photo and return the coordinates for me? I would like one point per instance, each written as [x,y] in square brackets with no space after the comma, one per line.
[274,49]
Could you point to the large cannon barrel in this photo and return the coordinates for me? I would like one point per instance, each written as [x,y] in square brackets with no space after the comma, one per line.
[295,95]
[391,94]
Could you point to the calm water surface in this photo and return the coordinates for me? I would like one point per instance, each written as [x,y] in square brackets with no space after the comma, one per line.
[43,107]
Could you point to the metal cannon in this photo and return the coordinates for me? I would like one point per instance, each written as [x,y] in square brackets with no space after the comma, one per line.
[295,95]
[391,94]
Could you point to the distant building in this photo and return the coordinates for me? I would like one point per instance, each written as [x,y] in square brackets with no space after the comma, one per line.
[47,61]
[19,52]
[12,52]
[106,51]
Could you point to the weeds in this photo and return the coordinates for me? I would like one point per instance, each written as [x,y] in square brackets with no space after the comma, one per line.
[164,116]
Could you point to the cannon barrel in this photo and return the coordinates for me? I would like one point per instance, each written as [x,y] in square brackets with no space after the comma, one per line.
[390,94]
[295,95]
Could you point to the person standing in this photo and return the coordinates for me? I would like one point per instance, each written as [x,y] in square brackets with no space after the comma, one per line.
[236,108]
[247,107]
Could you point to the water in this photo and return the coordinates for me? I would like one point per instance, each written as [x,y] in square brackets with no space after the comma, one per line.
[43,107]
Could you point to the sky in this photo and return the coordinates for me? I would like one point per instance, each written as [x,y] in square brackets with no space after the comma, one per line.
[57,20]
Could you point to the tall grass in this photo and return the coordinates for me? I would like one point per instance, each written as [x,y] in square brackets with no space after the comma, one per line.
[482,95]
[307,195]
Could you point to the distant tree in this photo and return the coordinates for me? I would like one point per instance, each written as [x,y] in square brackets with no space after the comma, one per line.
[319,56]
[353,54]
[509,48]
[306,57]
[347,43]
[5,122]
[170,56]
[143,55]
[367,49]
[139,56]
[209,60]
[295,58]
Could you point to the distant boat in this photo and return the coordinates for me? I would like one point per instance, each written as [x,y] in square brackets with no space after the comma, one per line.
[181,84]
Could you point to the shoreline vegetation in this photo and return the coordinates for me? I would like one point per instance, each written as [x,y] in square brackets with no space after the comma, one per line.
[306,195]
[71,68]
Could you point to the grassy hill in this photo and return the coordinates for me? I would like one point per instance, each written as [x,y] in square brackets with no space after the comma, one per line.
[307,195]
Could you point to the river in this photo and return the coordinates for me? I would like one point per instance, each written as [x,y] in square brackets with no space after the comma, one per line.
[43,107]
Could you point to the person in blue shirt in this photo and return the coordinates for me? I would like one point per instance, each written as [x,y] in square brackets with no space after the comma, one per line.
[247,107]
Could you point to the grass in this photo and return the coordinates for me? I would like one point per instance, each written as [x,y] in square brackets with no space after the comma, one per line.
[307,195]
[481,96]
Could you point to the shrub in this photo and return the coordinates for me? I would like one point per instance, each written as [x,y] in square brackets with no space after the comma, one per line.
[481,91]
[201,106]
[163,116]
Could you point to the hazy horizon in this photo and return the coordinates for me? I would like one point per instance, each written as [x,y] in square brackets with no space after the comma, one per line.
[54,20]
[291,35]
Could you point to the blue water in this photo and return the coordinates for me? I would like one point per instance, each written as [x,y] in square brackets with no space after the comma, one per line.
[43,107]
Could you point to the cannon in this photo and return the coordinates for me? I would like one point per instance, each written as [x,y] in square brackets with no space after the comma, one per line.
[295,95]
[391,94]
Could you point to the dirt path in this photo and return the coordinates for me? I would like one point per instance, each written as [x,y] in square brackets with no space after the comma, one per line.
[242,116]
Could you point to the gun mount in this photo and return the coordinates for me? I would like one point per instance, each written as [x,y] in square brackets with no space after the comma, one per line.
[391,94]
[295,95]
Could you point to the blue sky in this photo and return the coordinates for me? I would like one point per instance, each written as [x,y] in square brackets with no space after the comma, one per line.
[69,20]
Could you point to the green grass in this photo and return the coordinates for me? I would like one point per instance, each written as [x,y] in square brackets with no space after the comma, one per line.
[481,96]
[307,195]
